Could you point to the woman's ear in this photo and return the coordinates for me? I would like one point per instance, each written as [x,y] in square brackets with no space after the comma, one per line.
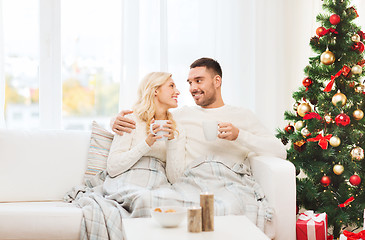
[156,92]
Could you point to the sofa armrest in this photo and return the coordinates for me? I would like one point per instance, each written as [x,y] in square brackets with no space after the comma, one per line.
[278,181]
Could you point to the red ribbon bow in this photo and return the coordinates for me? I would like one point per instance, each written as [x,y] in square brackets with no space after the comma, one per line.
[347,202]
[354,236]
[322,140]
[312,115]
[330,30]
[354,9]
[345,71]
[361,63]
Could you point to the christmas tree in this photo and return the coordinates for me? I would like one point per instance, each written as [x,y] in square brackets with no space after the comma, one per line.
[326,130]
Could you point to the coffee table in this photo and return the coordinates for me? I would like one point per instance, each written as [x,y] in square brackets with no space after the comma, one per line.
[225,227]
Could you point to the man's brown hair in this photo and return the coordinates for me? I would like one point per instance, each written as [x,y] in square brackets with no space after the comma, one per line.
[209,63]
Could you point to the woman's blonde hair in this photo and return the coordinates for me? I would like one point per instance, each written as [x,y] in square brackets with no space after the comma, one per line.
[145,107]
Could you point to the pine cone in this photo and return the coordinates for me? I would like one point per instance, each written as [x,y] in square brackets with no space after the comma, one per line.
[284,140]
[315,41]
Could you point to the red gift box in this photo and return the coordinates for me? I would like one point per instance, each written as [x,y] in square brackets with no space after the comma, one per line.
[312,226]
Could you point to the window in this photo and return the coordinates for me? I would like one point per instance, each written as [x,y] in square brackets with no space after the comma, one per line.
[91,61]
[69,62]
[21,62]
[89,53]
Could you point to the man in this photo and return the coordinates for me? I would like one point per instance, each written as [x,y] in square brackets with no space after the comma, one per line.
[215,166]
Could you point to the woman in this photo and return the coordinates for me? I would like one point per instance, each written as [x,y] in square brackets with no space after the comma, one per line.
[138,158]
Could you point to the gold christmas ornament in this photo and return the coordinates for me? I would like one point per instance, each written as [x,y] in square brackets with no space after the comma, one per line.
[327,58]
[333,41]
[356,38]
[295,106]
[303,109]
[305,132]
[335,141]
[358,114]
[299,125]
[356,69]
[339,98]
[328,118]
[357,153]
[360,88]
[338,169]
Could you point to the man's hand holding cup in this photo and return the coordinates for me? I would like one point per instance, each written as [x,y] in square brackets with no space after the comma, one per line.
[224,130]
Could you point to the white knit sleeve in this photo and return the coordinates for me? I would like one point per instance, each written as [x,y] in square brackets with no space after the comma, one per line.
[256,138]
[122,156]
[176,156]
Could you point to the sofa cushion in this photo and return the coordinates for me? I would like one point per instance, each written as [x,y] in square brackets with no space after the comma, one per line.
[100,142]
[40,220]
[41,165]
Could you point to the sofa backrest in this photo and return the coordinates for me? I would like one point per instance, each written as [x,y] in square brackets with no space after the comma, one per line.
[41,165]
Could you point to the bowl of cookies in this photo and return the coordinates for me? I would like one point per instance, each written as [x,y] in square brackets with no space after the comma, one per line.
[168,216]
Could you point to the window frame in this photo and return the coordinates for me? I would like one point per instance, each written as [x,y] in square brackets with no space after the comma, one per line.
[50,82]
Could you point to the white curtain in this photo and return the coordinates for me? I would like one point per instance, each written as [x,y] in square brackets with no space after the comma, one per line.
[193,29]
[2,76]
[271,61]
[283,51]
[263,47]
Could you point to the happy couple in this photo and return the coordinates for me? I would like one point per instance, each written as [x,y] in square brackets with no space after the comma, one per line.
[144,171]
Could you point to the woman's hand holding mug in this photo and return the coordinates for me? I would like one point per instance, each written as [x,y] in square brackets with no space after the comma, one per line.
[160,130]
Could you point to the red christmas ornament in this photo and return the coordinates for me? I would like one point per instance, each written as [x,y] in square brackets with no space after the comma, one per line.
[355,180]
[361,47]
[307,82]
[289,129]
[325,181]
[361,34]
[335,19]
[320,31]
[358,46]
[342,120]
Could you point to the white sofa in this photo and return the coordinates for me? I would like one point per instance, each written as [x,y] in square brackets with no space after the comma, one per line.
[39,167]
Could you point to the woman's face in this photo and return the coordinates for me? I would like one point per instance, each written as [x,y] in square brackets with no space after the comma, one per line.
[166,95]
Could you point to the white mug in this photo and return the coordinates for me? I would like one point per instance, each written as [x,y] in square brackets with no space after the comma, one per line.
[210,129]
[159,133]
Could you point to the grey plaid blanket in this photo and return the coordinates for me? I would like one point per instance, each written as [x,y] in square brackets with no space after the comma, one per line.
[102,218]
[134,193]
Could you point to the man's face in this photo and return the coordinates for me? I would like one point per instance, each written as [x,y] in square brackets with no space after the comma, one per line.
[202,86]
